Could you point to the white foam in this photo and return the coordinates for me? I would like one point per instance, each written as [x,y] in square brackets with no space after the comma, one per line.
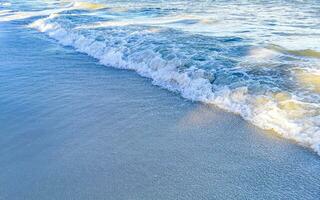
[4,12]
[6,4]
[71,6]
[282,113]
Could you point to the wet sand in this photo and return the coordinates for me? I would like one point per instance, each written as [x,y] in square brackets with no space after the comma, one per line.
[74,129]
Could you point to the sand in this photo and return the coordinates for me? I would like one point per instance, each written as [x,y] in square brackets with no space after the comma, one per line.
[74,129]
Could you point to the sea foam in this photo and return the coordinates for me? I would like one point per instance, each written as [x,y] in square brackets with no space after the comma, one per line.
[279,111]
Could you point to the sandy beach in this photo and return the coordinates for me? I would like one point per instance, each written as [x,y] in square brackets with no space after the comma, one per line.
[72,128]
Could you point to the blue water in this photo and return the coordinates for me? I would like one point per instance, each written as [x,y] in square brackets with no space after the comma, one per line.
[259,59]
[72,128]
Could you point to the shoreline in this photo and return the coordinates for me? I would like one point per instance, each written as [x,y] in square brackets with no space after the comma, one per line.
[73,128]
[278,111]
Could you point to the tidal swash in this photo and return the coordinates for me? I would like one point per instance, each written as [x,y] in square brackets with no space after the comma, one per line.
[259,59]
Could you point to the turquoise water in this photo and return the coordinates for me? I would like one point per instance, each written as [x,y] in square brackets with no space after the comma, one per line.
[72,128]
[258,59]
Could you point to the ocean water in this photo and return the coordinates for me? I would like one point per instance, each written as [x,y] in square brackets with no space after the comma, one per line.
[72,128]
[259,59]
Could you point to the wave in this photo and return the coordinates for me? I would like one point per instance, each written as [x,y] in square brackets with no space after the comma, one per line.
[309,78]
[187,20]
[281,111]
[88,5]
[303,52]
[5,4]
[11,16]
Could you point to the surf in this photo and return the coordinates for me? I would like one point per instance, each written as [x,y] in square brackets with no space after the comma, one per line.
[282,112]
[252,69]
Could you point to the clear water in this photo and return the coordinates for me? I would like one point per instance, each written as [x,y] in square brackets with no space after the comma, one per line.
[71,128]
[260,59]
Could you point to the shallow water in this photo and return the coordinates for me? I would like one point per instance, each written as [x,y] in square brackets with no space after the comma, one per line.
[258,59]
[74,129]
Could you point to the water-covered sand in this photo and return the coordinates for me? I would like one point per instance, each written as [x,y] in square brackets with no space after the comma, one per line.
[74,129]
[258,59]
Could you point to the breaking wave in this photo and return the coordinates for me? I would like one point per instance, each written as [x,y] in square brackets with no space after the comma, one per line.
[280,97]
[235,57]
